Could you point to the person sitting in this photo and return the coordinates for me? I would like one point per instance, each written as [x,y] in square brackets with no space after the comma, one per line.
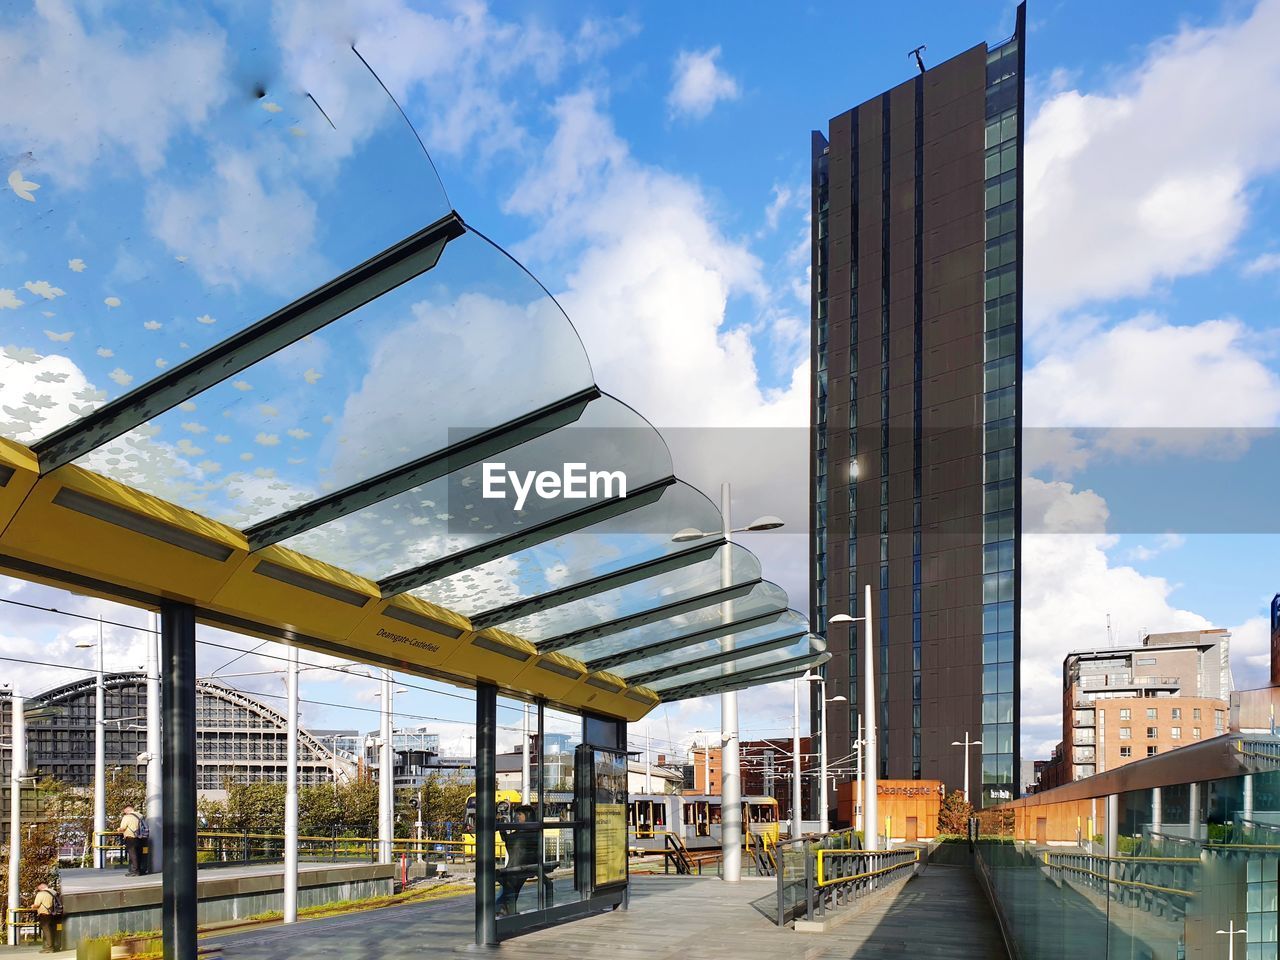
[523,857]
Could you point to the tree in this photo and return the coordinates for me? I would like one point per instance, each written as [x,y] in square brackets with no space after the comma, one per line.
[954,814]
[444,800]
[55,821]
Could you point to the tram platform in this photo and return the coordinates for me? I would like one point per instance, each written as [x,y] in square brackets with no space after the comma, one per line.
[942,914]
[102,902]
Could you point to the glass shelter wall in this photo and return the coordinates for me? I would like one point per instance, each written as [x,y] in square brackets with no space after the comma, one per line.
[559,838]
[1160,872]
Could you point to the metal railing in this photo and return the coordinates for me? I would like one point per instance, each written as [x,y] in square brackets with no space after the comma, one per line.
[215,848]
[820,874]
[1152,884]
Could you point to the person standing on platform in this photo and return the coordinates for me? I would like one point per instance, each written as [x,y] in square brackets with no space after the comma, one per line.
[48,908]
[131,833]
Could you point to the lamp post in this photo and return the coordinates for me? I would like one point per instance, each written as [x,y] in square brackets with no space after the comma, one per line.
[1231,933]
[796,791]
[291,795]
[730,769]
[824,819]
[524,758]
[870,753]
[418,804]
[386,771]
[858,759]
[17,770]
[155,780]
[966,743]
[99,752]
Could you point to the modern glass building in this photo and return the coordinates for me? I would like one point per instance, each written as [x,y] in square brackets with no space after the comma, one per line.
[917,350]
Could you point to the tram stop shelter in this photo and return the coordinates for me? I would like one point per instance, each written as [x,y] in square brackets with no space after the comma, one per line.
[308,462]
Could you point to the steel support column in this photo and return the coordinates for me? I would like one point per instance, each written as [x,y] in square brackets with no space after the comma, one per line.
[486,813]
[178,706]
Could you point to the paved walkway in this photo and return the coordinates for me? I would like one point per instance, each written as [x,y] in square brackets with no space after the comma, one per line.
[942,914]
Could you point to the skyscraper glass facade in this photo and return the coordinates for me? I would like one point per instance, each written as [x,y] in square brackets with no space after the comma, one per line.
[1002,276]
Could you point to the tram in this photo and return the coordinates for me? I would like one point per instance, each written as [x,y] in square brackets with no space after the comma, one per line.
[694,819]
[558,806]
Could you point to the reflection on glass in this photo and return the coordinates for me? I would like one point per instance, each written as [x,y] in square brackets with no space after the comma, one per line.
[354,399]
[797,651]
[764,598]
[1190,858]
[657,591]
[611,545]
[464,509]
[788,625]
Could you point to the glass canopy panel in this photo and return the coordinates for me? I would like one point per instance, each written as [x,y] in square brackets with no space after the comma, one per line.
[657,591]
[401,377]
[173,179]
[615,544]
[452,514]
[786,672]
[802,648]
[763,598]
[742,643]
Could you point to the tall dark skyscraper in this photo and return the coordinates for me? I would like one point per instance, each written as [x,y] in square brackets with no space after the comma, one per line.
[917,400]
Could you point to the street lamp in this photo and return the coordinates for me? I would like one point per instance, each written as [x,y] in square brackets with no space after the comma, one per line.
[730,769]
[966,743]
[796,789]
[1231,933]
[870,754]
[387,771]
[824,820]
[99,751]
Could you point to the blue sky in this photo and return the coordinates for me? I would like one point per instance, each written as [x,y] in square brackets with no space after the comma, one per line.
[650,163]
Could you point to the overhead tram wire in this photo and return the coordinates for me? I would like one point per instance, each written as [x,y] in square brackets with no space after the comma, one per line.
[241,652]
[256,693]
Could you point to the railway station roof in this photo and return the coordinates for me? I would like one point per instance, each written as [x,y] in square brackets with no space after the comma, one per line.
[268,370]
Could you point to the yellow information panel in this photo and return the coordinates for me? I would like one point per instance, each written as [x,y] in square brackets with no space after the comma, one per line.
[610,818]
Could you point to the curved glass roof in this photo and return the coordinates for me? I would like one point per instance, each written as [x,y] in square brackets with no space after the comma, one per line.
[271,316]
[265,174]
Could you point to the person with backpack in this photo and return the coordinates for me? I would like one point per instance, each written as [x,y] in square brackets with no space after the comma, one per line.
[48,908]
[133,831]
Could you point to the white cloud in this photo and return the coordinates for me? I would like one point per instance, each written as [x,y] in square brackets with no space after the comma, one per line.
[242,226]
[1128,188]
[1251,653]
[1134,379]
[1163,544]
[1262,264]
[1070,585]
[72,96]
[76,264]
[9,300]
[783,197]
[43,288]
[460,73]
[653,278]
[120,376]
[698,84]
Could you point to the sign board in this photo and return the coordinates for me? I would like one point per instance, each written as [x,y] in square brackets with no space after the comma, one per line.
[610,825]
